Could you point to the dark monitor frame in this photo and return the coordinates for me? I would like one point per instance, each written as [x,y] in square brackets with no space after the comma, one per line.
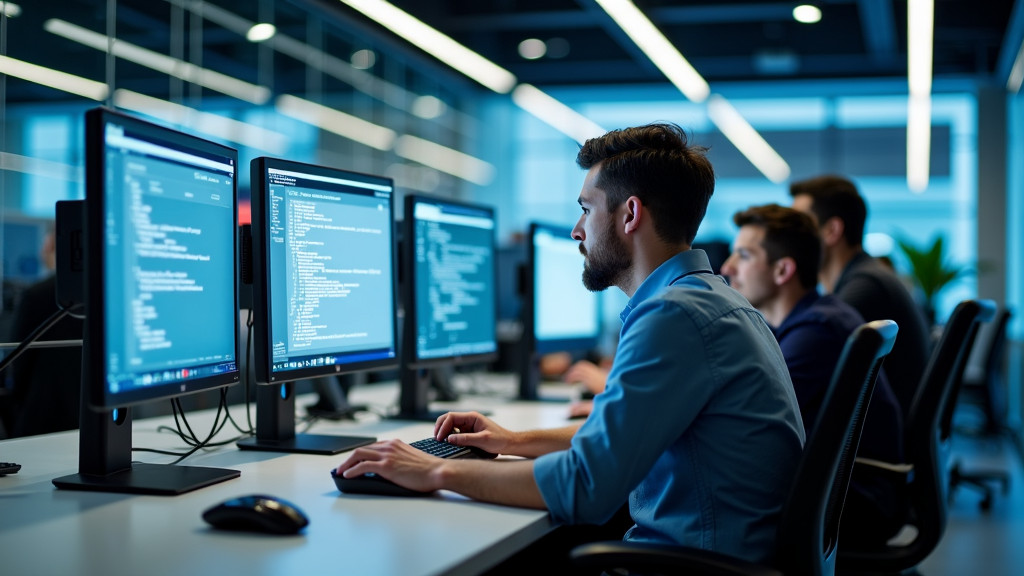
[418,374]
[105,451]
[532,347]
[275,393]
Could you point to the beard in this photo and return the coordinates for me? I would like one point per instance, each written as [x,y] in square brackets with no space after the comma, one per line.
[606,262]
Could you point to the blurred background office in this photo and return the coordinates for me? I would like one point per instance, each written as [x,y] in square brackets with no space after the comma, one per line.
[778,91]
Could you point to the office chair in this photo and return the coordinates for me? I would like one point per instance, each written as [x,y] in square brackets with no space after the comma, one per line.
[987,390]
[925,442]
[809,525]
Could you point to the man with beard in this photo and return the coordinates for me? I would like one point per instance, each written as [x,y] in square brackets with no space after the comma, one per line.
[698,425]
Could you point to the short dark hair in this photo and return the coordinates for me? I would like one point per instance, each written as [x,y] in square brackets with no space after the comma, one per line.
[787,232]
[657,164]
[835,197]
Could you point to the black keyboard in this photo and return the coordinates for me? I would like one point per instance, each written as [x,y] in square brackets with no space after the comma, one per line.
[9,468]
[373,484]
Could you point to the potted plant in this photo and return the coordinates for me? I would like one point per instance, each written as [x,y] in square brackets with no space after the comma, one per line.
[930,271]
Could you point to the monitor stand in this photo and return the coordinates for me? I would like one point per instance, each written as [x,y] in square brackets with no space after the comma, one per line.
[275,427]
[332,401]
[416,383]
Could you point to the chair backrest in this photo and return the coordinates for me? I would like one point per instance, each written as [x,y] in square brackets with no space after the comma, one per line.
[995,400]
[808,530]
[923,437]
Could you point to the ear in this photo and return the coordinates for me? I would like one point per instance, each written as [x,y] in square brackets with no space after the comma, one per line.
[783,270]
[832,231]
[632,214]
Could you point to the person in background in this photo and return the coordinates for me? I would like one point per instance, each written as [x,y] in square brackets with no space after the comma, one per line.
[698,425]
[858,279]
[47,381]
[774,264]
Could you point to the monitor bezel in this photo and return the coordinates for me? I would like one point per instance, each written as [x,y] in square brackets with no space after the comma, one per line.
[409,342]
[259,197]
[96,263]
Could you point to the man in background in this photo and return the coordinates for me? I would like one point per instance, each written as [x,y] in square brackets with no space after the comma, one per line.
[774,264]
[858,279]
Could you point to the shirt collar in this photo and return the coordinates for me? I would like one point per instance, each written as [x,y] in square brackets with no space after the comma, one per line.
[672,270]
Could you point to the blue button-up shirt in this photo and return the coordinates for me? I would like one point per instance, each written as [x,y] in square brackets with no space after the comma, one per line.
[698,424]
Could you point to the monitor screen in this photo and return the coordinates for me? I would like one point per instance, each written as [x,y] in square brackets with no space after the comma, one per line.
[566,316]
[160,268]
[324,289]
[323,271]
[559,313]
[453,307]
[449,294]
[160,294]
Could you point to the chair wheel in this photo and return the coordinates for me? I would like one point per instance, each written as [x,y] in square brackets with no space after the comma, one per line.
[986,503]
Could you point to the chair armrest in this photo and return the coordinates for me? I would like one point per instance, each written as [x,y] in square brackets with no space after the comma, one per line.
[663,558]
[900,473]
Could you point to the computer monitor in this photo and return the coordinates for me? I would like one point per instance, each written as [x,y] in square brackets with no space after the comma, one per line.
[324,289]
[449,297]
[160,302]
[559,313]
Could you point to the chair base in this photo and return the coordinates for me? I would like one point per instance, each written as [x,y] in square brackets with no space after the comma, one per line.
[981,481]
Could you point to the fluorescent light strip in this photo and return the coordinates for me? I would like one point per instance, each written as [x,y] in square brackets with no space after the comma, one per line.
[445,159]
[654,44]
[216,81]
[10,9]
[54,78]
[336,122]
[556,114]
[205,122]
[746,139]
[436,44]
[920,40]
[40,167]
[1016,77]
[919,135]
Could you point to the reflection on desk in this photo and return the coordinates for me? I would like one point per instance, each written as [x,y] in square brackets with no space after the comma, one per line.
[49,531]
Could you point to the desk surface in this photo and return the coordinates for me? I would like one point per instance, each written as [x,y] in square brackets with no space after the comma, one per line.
[48,531]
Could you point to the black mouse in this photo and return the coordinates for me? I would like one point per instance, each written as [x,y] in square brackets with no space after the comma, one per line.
[257,513]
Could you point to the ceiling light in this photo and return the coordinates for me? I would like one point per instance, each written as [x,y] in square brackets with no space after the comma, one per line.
[654,44]
[436,44]
[363,59]
[428,107]
[920,40]
[555,114]
[743,136]
[10,9]
[212,124]
[337,122]
[445,159]
[1016,77]
[807,14]
[261,32]
[54,78]
[532,48]
[222,83]
[39,167]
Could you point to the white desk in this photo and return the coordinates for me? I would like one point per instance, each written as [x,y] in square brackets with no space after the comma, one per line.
[60,532]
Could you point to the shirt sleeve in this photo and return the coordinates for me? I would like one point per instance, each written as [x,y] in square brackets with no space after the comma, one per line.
[658,385]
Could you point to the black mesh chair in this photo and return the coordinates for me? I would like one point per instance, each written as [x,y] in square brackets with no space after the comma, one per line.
[926,438]
[986,391]
[809,526]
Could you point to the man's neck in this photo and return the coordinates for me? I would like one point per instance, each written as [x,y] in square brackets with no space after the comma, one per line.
[835,261]
[778,309]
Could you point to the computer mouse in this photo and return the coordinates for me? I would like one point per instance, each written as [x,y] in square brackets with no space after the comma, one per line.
[257,513]
[372,484]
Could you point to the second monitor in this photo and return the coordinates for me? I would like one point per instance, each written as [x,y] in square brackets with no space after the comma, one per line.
[324,289]
[449,295]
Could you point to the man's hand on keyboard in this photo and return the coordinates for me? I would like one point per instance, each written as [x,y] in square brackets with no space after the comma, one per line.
[473,429]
